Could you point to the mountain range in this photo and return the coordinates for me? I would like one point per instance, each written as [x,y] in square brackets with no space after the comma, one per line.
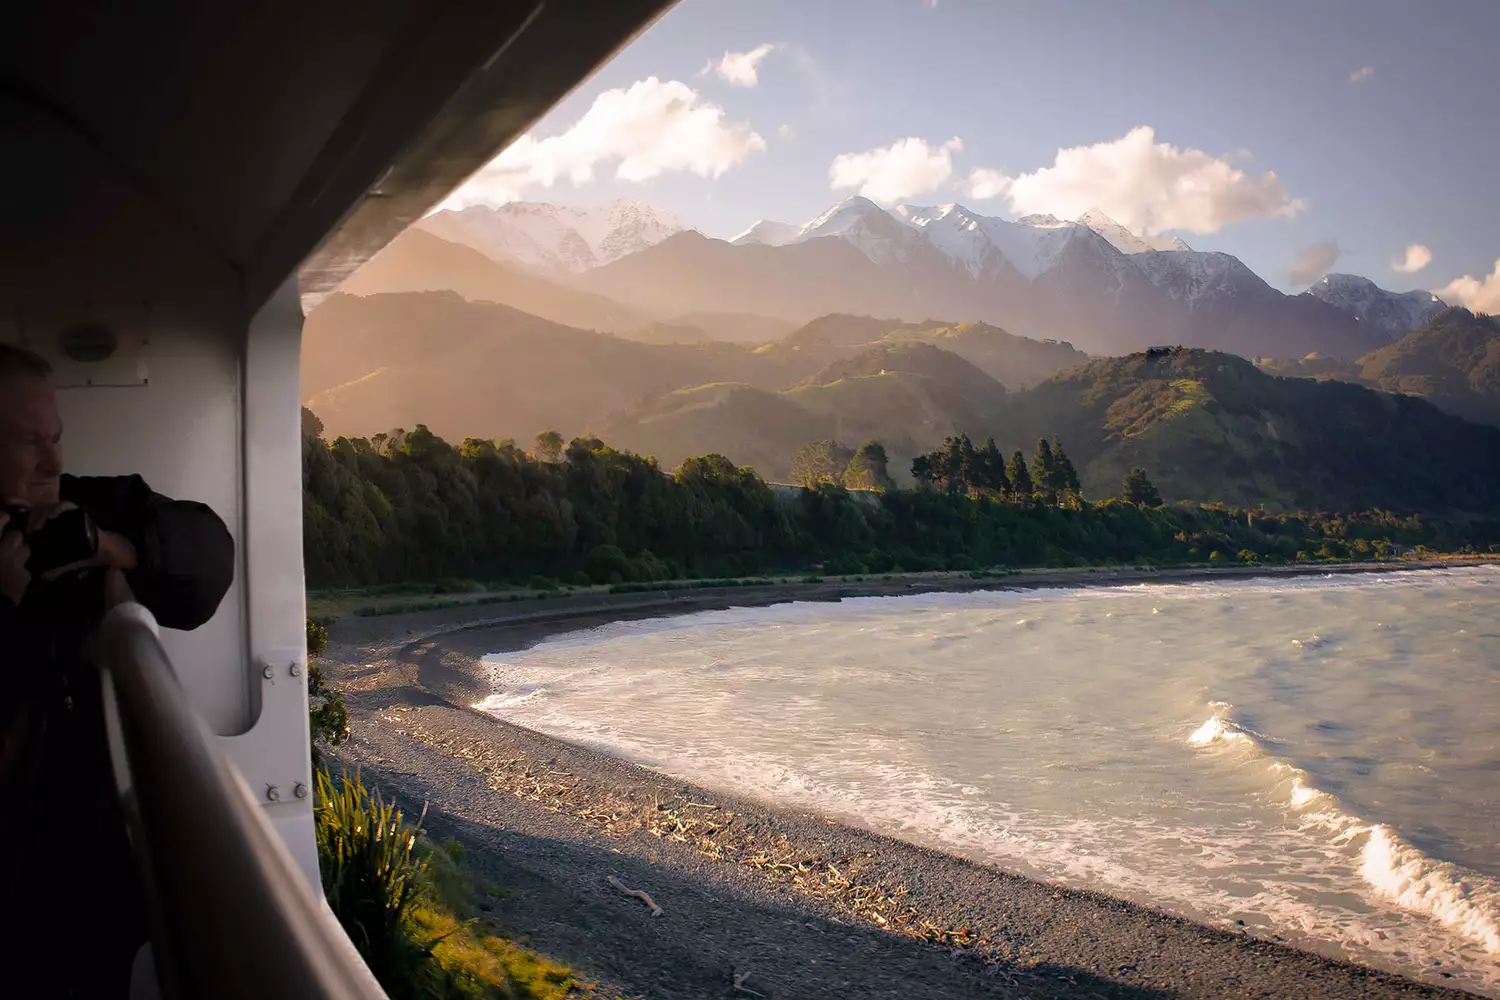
[552,240]
[1091,282]
[1208,425]
[502,323]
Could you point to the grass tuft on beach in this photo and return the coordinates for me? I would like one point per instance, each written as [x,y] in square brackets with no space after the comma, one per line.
[411,908]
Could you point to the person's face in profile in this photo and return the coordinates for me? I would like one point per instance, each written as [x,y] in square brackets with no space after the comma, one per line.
[30,441]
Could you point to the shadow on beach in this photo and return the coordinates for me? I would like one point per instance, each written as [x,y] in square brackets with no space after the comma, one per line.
[552,894]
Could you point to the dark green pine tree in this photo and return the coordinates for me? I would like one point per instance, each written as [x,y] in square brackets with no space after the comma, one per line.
[1044,471]
[992,462]
[957,457]
[1065,478]
[1021,487]
[548,447]
[923,470]
[868,469]
[1137,489]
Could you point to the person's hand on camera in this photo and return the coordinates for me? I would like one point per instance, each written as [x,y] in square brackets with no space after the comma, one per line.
[38,515]
[14,576]
[115,551]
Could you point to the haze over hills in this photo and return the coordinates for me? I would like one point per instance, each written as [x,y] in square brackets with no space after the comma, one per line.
[1038,276]
[1453,361]
[907,395]
[1091,282]
[435,332]
[737,328]
[378,362]
[1207,425]
[418,261]
[552,240]
[1014,361]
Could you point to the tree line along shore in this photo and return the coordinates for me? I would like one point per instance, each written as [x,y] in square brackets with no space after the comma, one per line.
[409,506]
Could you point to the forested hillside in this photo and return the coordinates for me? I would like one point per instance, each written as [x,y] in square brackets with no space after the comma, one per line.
[1016,362]
[1453,361]
[409,506]
[1212,426]
[907,394]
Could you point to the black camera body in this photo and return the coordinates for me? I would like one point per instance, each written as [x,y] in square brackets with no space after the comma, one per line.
[67,538]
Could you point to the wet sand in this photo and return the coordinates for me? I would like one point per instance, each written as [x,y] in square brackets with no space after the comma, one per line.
[777,902]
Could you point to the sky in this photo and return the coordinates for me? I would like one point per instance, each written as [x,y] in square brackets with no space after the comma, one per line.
[1360,136]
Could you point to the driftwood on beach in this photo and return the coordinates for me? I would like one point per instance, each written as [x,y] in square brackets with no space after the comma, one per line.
[640,894]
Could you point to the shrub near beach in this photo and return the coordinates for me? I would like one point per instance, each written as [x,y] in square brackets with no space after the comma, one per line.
[402,901]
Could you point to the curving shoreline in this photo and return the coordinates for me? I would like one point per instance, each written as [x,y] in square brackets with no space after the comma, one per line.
[809,907]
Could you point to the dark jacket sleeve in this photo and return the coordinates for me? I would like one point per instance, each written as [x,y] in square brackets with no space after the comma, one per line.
[185,553]
[10,630]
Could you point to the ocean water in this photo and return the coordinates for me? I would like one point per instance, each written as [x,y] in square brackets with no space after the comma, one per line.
[1317,757]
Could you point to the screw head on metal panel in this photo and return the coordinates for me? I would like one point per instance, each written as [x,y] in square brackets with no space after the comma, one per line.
[296,670]
[268,671]
[299,790]
[273,793]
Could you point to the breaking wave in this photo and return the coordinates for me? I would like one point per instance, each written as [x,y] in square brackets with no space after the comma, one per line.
[1461,900]
[1457,898]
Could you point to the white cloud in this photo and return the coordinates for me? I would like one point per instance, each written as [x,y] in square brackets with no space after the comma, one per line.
[786,131]
[1362,74]
[985,184]
[930,4]
[906,168]
[1417,257]
[650,128]
[1145,185]
[1474,294]
[1311,263]
[740,68]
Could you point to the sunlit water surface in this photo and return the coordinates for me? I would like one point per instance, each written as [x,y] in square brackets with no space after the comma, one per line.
[1316,757]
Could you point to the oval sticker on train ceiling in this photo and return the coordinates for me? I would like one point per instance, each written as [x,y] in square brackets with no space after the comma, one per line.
[88,341]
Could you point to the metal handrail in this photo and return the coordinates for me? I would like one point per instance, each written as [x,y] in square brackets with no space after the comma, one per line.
[232,914]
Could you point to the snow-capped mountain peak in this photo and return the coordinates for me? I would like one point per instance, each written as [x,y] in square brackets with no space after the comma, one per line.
[876,232]
[848,215]
[1386,315]
[552,239]
[1193,276]
[1030,245]
[1041,221]
[768,233]
[627,226]
[1123,239]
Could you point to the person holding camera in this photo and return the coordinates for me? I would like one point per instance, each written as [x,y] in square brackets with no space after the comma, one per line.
[64,856]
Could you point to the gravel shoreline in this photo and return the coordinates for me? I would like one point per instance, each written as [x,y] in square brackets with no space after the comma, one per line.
[756,900]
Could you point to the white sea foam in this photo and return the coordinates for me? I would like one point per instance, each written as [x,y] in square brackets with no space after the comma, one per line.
[1463,900]
[1058,742]
[1304,794]
[1219,727]
[1214,729]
